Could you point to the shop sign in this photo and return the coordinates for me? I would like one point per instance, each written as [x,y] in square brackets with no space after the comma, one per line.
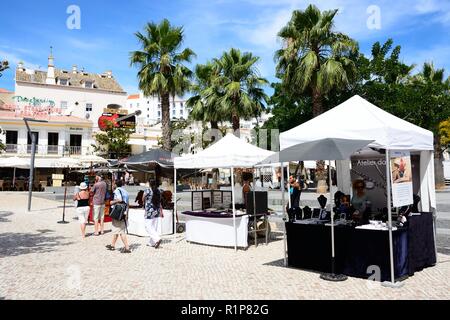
[34,101]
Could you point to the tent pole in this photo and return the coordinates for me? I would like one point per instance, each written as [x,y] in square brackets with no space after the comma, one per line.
[333,276]
[233,207]
[254,210]
[332,219]
[392,284]
[284,213]
[14,178]
[175,200]
[388,182]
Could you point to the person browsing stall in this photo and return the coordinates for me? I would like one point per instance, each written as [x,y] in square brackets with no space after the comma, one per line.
[119,227]
[153,209]
[82,198]
[360,199]
[99,195]
[295,191]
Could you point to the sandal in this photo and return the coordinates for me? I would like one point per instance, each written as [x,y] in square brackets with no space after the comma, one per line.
[126,251]
[110,247]
[157,244]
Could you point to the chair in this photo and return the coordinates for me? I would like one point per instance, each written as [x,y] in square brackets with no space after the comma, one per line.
[20,185]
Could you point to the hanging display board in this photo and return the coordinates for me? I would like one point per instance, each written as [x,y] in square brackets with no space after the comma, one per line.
[401,178]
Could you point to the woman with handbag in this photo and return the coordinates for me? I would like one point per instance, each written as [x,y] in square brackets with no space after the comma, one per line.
[82,198]
[119,217]
[153,209]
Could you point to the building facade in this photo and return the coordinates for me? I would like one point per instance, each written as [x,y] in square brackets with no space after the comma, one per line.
[68,92]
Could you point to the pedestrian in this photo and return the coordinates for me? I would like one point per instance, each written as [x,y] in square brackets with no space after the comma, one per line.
[82,198]
[127,177]
[119,227]
[131,180]
[153,209]
[99,196]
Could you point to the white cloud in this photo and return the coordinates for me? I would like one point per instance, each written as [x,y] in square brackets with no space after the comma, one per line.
[13,60]
[86,45]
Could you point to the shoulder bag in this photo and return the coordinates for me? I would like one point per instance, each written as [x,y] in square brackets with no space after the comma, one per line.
[118,212]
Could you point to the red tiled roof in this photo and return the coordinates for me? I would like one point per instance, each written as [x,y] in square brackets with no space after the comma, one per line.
[4,91]
[133,96]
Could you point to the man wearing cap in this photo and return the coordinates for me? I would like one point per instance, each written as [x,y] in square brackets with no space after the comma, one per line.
[99,193]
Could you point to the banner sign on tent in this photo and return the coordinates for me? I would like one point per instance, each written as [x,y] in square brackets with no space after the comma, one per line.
[401,178]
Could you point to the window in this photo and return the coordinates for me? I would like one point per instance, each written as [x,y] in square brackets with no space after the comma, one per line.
[88,107]
[181,111]
[131,105]
[63,105]
[159,113]
[63,82]
[88,84]
[52,143]
[148,102]
[159,105]
[173,112]
[137,105]
[11,141]
[75,144]
[148,116]
[181,104]
[148,109]
[36,135]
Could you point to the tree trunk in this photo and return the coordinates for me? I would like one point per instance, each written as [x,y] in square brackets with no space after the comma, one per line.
[236,124]
[165,121]
[317,102]
[438,166]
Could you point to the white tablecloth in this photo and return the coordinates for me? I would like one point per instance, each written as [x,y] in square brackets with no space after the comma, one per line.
[217,231]
[136,223]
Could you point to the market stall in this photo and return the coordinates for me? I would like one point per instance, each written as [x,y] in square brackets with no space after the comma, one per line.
[390,135]
[229,152]
[155,163]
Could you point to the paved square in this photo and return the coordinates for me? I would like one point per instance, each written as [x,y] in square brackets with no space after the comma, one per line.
[40,259]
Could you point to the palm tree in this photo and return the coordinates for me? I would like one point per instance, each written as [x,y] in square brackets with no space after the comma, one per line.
[239,86]
[429,74]
[315,58]
[204,103]
[161,67]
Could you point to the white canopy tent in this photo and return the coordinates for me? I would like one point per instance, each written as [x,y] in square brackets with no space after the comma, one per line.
[358,119]
[229,152]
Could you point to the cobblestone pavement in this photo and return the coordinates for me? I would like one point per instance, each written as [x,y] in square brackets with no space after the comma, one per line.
[40,259]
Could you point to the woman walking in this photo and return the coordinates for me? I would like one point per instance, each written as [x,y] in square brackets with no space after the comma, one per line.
[82,198]
[152,206]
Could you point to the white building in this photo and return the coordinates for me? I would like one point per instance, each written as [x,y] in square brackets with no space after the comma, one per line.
[69,92]
[151,108]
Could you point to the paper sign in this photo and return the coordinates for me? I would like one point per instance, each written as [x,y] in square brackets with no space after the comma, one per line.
[197,201]
[401,178]
[217,198]
[227,198]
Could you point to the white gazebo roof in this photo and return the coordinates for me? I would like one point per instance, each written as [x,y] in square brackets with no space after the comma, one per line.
[358,119]
[230,151]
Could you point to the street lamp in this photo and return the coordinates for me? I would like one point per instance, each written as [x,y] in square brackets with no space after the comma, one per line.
[33,151]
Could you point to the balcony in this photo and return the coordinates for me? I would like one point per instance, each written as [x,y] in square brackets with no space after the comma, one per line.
[52,149]
[47,150]
[75,150]
[11,148]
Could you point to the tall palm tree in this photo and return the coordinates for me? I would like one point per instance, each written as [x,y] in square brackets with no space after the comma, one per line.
[204,103]
[161,67]
[315,59]
[239,85]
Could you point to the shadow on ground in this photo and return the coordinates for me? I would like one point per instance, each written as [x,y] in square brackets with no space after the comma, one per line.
[15,244]
[4,214]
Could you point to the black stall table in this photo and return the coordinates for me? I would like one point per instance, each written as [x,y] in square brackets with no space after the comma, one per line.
[357,251]
[422,251]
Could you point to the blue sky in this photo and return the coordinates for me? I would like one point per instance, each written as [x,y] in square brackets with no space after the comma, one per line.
[29,28]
